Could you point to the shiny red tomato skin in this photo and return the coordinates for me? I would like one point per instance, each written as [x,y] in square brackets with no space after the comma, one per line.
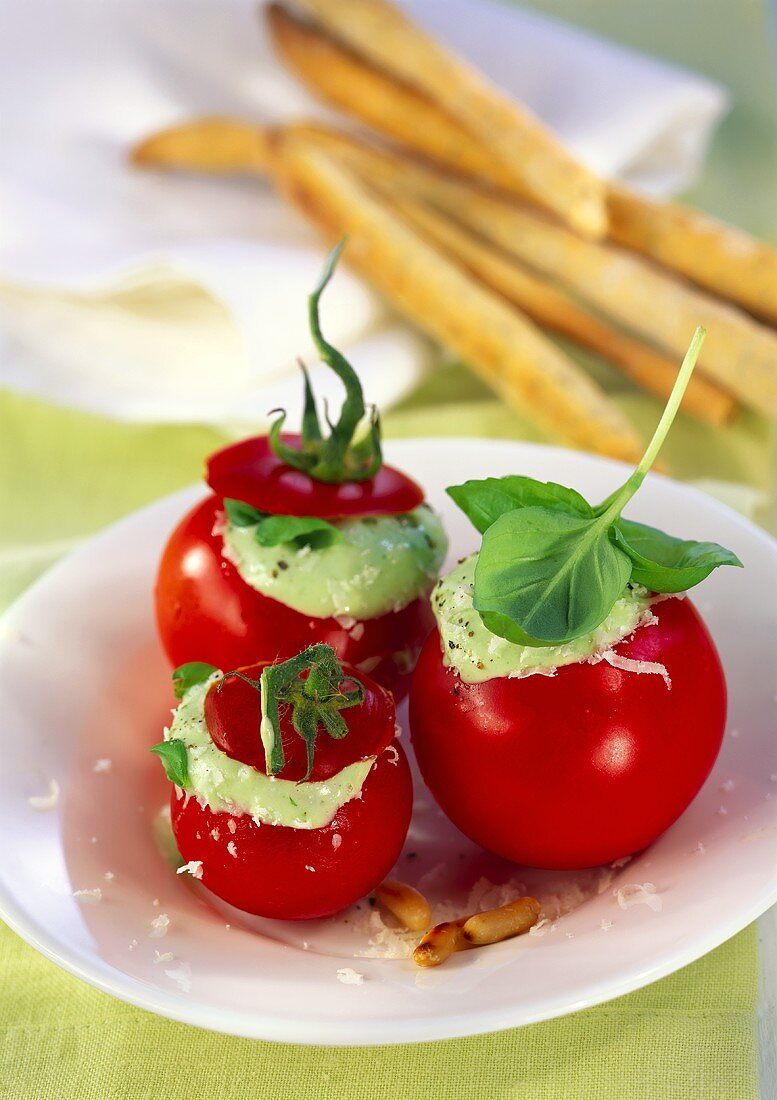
[206,612]
[250,471]
[233,714]
[269,876]
[581,768]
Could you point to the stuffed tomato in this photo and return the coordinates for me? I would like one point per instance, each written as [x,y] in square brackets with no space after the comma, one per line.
[570,756]
[304,539]
[571,702]
[291,798]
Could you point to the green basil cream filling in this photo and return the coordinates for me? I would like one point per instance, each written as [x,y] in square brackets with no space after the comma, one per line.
[226,785]
[479,655]
[381,564]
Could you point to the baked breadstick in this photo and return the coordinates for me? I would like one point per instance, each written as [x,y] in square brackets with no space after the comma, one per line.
[381,33]
[213,144]
[725,260]
[495,339]
[556,310]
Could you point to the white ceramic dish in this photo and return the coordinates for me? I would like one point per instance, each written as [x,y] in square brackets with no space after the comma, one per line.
[82,679]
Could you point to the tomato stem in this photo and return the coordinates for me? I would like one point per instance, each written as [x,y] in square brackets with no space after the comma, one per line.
[335,458]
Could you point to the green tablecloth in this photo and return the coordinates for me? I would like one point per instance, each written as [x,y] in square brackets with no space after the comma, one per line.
[691,1035]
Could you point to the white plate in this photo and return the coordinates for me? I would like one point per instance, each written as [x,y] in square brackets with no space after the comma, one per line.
[82,678]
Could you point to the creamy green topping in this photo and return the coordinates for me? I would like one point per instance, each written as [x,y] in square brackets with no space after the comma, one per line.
[479,655]
[381,564]
[227,785]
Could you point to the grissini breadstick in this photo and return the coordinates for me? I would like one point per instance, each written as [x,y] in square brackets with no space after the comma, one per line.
[342,79]
[529,152]
[496,340]
[221,145]
[212,144]
[716,256]
[740,354]
[554,309]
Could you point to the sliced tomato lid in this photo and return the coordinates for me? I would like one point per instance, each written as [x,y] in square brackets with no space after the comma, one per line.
[251,472]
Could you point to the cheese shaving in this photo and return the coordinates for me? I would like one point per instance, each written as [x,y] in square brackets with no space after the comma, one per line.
[628,664]
[193,868]
[159,926]
[45,801]
[181,975]
[348,976]
[94,895]
[634,893]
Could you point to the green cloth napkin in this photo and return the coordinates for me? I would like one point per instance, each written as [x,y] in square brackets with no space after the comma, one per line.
[691,1035]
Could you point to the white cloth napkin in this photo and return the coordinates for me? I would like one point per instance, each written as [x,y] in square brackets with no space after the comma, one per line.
[152,296]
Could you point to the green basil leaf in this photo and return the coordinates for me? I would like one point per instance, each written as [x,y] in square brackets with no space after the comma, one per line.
[544,577]
[300,530]
[175,761]
[186,676]
[663,563]
[483,502]
[240,514]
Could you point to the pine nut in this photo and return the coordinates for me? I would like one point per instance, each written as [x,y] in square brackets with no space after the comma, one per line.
[440,943]
[411,909]
[495,925]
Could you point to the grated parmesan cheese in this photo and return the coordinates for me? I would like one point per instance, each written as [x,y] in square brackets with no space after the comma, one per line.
[109,876]
[605,925]
[616,863]
[94,895]
[232,825]
[232,849]
[102,765]
[633,893]
[193,868]
[159,926]
[45,801]
[181,975]
[337,840]
[348,976]
[162,957]
[628,664]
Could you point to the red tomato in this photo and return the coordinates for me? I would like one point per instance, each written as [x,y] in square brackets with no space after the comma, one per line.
[250,471]
[299,874]
[206,612]
[233,714]
[581,768]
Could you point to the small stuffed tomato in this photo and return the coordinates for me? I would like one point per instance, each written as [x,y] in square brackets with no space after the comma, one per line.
[291,798]
[304,539]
